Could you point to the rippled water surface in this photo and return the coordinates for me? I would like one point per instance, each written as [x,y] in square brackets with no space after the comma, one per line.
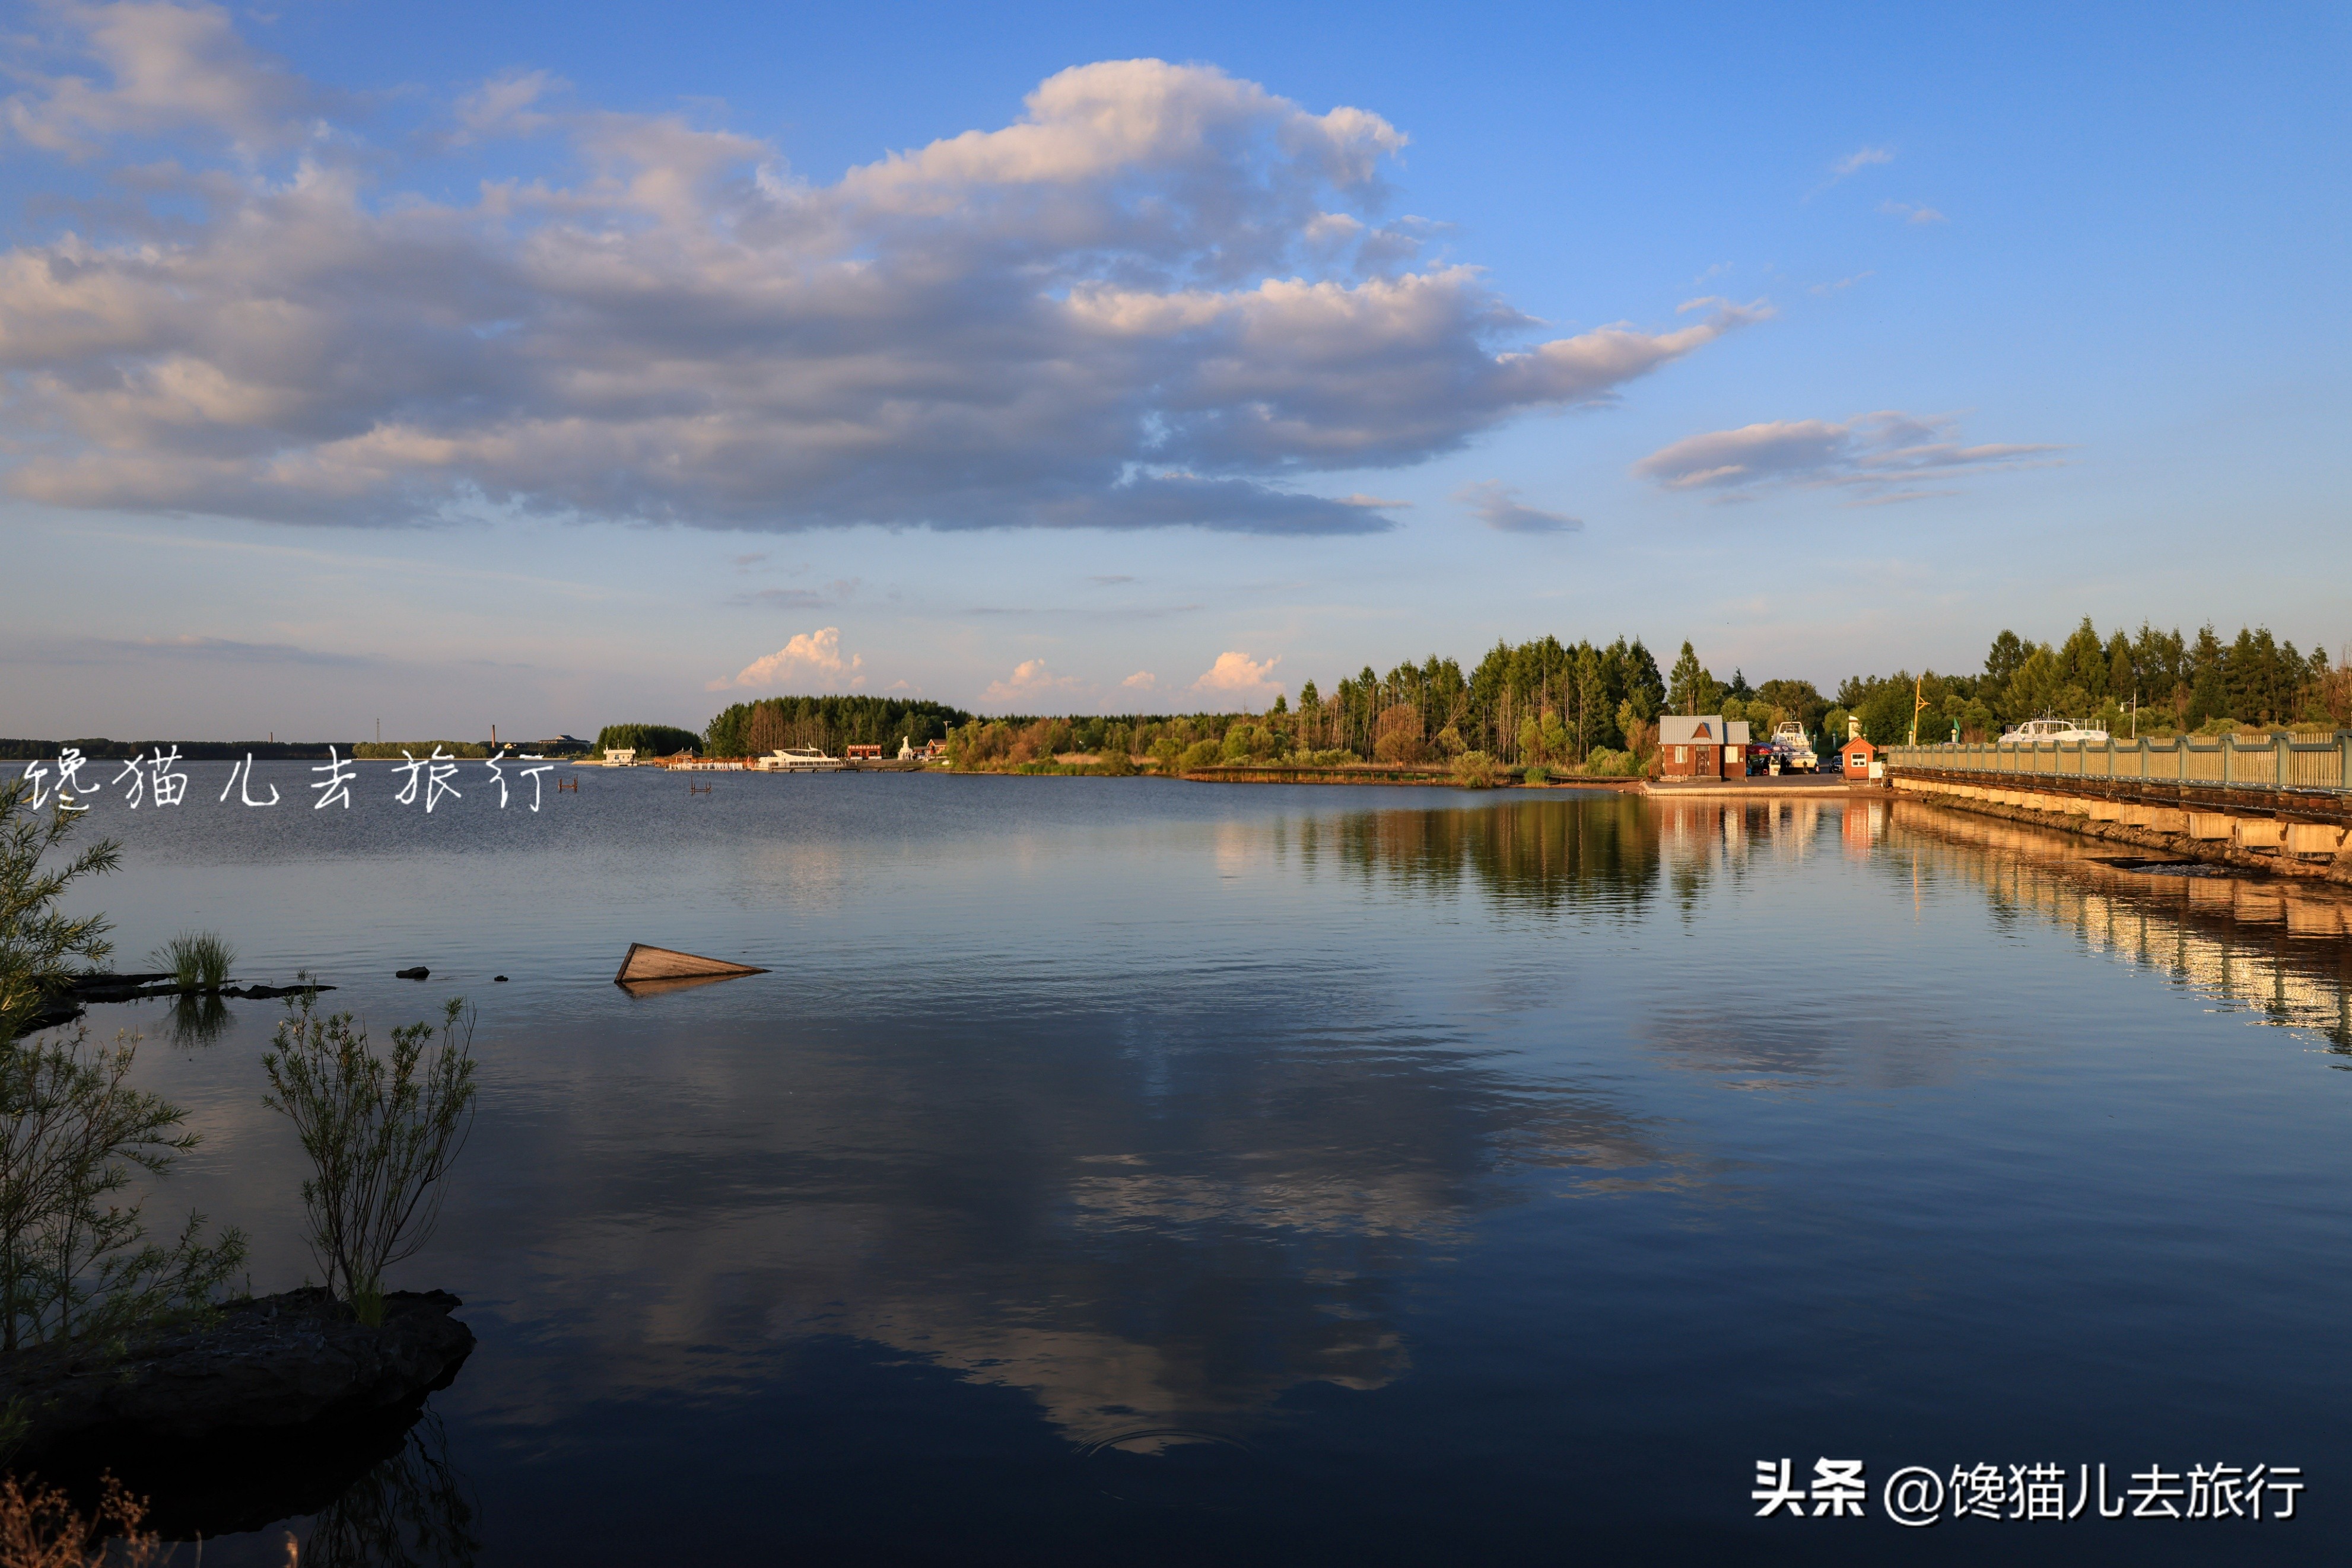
[1114,1171]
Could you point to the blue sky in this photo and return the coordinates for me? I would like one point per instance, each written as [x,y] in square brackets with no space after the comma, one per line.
[556,366]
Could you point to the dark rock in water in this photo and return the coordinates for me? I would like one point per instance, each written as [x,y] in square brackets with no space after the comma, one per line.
[499,979]
[118,982]
[270,1365]
[418,973]
[67,1005]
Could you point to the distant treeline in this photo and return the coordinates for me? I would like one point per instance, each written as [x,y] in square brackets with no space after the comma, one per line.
[757,728]
[190,750]
[1593,707]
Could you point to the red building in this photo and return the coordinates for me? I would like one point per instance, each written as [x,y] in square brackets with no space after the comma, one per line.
[1703,746]
[1859,756]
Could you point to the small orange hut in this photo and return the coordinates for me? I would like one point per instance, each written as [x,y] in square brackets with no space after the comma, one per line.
[1858,755]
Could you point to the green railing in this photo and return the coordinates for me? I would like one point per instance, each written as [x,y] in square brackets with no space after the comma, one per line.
[2274,762]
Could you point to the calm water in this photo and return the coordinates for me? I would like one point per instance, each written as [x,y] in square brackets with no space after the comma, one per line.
[1112,1171]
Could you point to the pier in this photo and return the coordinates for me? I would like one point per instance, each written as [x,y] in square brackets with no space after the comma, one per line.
[2281,802]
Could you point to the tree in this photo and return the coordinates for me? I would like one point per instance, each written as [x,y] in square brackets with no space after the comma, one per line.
[2083,662]
[36,942]
[1690,689]
[381,1133]
[2209,697]
[2001,661]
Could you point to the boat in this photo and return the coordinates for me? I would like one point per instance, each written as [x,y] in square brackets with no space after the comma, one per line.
[1796,747]
[801,759]
[645,965]
[2035,731]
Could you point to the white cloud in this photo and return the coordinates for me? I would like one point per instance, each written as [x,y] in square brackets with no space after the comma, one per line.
[1842,284]
[1496,505]
[810,655]
[1029,683]
[1880,456]
[1912,214]
[1237,675]
[1133,307]
[1141,681]
[170,69]
[1854,162]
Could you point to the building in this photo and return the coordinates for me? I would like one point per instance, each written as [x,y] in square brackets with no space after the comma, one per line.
[862,753]
[1861,757]
[1702,745]
[620,756]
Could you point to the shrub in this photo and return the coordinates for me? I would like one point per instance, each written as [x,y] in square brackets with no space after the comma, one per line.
[381,1133]
[1201,753]
[1538,774]
[73,1260]
[198,960]
[41,1528]
[1475,770]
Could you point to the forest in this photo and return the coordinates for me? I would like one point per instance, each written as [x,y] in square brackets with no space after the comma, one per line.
[1591,708]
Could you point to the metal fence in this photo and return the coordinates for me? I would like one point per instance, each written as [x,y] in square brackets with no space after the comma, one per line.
[2274,762]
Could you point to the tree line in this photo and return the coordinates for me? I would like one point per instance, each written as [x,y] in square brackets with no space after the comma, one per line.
[1593,707]
[2152,682]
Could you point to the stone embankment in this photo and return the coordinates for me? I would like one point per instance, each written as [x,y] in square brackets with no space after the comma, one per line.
[2281,833]
[272,1364]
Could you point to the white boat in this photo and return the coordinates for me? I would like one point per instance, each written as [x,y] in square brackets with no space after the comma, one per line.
[801,759]
[2035,731]
[1796,747]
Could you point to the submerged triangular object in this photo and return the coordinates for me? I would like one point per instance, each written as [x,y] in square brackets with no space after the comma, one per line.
[647,963]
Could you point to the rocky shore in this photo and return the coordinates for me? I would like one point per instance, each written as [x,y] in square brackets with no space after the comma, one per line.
[269,1364]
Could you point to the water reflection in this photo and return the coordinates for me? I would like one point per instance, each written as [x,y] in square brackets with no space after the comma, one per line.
[1541,856]
[198,1020]
[2275,946]
[376,1492]
[412,1510]
[1165,1199]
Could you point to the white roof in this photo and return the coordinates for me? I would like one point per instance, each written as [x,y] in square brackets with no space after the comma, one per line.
[1679,729]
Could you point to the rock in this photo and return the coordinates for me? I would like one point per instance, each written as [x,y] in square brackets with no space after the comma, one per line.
[499,979]
[418,973]
[270,1364]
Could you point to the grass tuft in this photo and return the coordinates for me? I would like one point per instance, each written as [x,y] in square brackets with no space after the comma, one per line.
[198,960]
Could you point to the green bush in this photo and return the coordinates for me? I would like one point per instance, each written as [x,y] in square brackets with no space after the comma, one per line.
[1201,753]
[1475,770]
[381,1131]
[1538,774]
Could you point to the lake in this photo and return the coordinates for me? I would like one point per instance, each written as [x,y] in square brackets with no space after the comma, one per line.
[1128,1171]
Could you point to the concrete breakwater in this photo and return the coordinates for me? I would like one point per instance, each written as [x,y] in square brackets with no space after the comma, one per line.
[2297,833]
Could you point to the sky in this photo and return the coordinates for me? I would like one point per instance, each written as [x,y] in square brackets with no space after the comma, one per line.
[447,366]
